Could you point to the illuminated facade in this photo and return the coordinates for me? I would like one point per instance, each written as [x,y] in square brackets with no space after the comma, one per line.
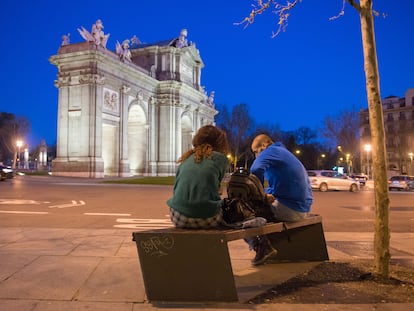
[127,112]
[399,132]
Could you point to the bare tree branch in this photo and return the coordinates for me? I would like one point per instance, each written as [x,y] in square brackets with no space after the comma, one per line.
[283,11]
[355,5]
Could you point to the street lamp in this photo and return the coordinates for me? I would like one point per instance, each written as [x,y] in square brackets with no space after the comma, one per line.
[367,149]
[320,161]
[230,158]
[26,157]
[349,163]
[410,154]
[19,144]
[347,158]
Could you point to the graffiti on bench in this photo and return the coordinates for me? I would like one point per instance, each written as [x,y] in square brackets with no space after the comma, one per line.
[158,245]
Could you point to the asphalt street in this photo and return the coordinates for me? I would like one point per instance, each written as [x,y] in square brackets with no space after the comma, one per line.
[65,244]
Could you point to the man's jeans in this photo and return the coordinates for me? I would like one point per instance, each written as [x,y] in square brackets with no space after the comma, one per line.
[284,213]
[281,213]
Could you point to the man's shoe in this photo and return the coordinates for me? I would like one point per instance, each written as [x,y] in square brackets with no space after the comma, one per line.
[264,251]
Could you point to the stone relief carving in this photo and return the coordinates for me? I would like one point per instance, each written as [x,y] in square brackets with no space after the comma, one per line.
[125,89]
[181,41]
[65,40]
[139,96]
[63,79]
[96,35]
[111,101]
[210,99]
[91,78]
[135,41]
[153,72]
[122,50]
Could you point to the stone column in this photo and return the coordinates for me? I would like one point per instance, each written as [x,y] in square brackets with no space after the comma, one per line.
[124,169]
[153,134]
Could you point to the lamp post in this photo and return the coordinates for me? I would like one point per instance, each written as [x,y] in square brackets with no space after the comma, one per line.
[367,149]
[347,159]
[320,161]
[410,154]
[348,163]
[19,144]
[26,157]
[230,158]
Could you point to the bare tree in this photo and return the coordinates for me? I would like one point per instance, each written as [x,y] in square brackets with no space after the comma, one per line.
[12,128]
[238,126]
[342,129]
[376,118]
[305,135]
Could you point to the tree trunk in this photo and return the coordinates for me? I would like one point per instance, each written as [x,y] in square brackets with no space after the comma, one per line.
[376,118]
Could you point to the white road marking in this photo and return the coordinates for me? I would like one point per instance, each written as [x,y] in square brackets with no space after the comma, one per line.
[23,212]
[73,204]
[105,214]
[18,201]
[139,227]
[144,221]
[144,224]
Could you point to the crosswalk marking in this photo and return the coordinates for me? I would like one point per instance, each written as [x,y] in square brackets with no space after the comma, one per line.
[23,212]
[143,224]
[73,204]
[106,214]
[19,202]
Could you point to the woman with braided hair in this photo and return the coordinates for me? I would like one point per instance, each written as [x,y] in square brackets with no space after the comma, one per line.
[196,202]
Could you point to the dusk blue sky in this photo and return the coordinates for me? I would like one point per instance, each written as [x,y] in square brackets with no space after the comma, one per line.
[312,70]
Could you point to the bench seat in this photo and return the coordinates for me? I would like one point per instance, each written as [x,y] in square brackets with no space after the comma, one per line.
[193,265]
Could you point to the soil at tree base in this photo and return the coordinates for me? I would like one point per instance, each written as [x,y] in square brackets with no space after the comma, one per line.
[345,283]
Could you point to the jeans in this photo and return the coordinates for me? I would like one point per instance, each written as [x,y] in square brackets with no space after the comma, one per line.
[284,213]
[281,213]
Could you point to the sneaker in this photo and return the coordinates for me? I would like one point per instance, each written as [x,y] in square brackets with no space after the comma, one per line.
[264,251]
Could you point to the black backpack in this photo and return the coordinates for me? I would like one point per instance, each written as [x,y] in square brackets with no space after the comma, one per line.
[247,187]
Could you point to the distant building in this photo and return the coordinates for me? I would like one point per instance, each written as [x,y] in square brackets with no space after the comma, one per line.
[130,111]
[399,132]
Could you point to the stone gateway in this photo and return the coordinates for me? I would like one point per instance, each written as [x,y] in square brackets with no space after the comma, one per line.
[130,111]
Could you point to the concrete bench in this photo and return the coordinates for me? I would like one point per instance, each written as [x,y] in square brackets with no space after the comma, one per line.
[184,265]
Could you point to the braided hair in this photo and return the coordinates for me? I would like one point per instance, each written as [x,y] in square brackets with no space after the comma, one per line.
[207,139]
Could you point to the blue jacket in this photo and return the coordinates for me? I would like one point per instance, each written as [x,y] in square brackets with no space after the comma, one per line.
[287,177]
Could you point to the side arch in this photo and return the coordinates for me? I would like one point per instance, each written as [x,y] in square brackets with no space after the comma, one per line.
[137,139]
[186,132]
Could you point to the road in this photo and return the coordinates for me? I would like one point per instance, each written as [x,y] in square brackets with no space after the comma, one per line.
[58,202]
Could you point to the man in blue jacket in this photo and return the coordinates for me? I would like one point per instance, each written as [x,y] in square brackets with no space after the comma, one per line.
[289,190]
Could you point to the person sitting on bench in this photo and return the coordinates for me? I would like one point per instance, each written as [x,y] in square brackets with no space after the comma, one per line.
[289,190]
[196,202]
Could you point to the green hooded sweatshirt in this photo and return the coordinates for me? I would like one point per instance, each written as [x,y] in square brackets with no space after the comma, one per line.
[196,186]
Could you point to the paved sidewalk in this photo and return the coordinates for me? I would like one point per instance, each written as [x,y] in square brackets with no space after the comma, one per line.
[81,269]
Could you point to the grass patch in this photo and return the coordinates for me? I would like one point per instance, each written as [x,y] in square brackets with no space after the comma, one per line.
[169,180]
[32,173]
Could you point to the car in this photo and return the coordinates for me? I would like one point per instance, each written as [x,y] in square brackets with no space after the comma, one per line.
[324,180]
[401,182]
[6,172]
[361,178]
